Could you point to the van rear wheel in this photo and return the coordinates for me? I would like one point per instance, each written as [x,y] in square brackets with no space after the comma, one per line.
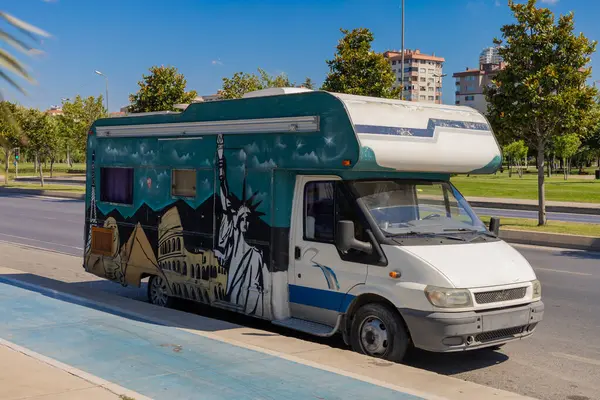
[158,292]
[379,332]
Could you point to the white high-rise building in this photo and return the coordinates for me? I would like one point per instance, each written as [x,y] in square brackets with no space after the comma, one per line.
[490,55]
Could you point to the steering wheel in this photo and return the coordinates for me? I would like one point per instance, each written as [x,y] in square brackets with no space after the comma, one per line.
[431,216]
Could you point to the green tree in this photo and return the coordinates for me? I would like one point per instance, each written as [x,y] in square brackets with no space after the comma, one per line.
[73,125]
[160,90]
[516,152]
[542,92]
[357,69]
[242,82]
[565,147]
[10,133]
[308,83]
[42,136]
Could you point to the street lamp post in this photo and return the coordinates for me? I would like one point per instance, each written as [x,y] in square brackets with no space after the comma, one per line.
[106,78]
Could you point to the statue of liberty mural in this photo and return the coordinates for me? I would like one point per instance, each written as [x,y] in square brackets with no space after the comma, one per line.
[244,262]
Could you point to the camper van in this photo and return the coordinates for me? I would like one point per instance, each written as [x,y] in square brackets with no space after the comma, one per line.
[322,212]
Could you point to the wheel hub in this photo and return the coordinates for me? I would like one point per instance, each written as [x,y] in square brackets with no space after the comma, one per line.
[374,336]
[158,291]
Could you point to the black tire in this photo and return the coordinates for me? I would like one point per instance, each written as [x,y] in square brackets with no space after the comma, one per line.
[156,283]
[384,327]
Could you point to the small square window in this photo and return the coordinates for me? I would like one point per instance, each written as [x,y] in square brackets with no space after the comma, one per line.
[116,185]
[183,183]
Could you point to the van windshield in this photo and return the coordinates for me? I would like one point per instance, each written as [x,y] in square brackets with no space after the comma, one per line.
[403,207]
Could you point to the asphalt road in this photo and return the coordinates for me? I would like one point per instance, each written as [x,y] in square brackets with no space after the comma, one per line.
[54,224]
[560,362]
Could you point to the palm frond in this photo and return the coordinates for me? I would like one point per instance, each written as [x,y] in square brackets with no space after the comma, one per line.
[14,42]
[7,61]
[12,83]
[28,29]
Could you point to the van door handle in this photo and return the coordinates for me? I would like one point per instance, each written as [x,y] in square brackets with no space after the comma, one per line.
[297,255]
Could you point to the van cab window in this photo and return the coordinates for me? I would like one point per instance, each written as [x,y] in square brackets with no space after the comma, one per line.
[325,204]
[319,212]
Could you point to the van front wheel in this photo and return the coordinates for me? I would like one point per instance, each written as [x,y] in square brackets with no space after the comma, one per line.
[379,332]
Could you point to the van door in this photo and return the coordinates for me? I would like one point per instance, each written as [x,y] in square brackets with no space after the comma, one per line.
[320,278]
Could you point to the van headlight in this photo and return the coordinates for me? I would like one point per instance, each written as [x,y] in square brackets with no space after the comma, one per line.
[537,289]
[448,298]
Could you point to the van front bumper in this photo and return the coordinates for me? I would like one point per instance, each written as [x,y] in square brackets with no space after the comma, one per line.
[458,331]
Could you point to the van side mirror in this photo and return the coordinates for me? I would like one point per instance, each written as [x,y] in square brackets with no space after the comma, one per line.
[345,239]
[495,225]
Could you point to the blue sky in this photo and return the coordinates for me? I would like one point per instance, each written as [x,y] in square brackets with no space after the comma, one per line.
[207,40]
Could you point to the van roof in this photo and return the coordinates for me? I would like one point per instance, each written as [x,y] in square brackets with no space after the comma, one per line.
[373,133]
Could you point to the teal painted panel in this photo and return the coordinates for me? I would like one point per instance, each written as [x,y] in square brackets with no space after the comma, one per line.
[283,197]
[490,168]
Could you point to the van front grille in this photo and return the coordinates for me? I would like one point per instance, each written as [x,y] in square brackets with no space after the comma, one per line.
[497,296]
[499,334]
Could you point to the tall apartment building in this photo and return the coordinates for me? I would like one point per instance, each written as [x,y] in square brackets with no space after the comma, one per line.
[422,75]
[471,82]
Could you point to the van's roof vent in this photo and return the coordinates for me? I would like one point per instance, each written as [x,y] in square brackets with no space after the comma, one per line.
[275,92]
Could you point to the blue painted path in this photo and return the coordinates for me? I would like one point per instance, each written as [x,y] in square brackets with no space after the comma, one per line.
[163,362]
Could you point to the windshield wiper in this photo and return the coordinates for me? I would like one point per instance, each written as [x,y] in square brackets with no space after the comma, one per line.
[427,234]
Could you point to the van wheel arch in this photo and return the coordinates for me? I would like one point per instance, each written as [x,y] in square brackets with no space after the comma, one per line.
[368,298]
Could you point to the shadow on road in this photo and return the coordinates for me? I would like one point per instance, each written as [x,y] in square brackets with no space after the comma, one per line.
[585,255]
[454,363]
[205,318]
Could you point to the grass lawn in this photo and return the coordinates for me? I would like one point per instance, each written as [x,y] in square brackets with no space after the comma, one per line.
[28,169]
[570,228]
[55,188]
[500,185]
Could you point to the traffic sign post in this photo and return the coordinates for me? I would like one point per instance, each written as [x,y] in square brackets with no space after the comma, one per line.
[17,156]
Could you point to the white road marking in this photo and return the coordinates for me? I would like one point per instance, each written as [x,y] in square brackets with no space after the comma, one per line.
[41,241]
[562,271]
[577,358]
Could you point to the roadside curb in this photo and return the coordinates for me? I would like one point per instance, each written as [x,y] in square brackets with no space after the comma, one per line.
[588,243]
[533,207]
[43,192]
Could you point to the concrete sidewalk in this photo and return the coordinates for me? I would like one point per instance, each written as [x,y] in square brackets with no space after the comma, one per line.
[127,341]
[25,377]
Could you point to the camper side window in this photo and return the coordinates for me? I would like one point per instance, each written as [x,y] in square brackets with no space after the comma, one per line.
[319,211]
[183,183]
[116,185]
